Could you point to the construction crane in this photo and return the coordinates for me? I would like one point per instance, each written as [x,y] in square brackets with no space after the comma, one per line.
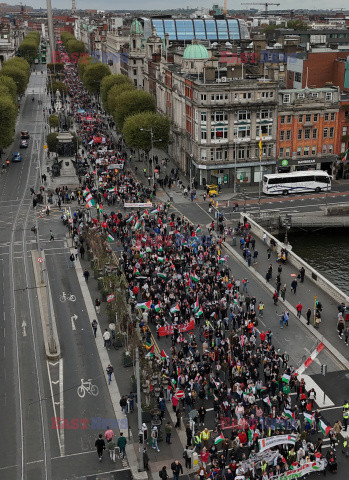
[266,5]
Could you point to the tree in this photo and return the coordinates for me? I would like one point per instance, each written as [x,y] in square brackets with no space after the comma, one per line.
[18,76]
[20,63]
[75,46]
[28,50]
[60,86]
[136,138]
[52,141]
[131,103]
[11,86]
[93,76]
[8,114]
[108,82]
[53,121]
[115,91]
[297,25]
[55,67]
[82,64]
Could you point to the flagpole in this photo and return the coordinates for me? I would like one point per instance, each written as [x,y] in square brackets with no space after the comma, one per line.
[139,412]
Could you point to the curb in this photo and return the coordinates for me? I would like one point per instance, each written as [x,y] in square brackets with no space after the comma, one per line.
[43,308]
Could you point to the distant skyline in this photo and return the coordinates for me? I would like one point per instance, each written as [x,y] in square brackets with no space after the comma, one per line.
[161,5]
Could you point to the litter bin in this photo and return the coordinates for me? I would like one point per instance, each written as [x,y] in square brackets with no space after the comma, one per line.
[234,241]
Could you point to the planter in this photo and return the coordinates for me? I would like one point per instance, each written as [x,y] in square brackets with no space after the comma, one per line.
[119,341]
[146,417]
[127,360]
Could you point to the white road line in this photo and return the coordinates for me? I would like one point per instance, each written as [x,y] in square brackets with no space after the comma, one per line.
[61,405]
[53,402]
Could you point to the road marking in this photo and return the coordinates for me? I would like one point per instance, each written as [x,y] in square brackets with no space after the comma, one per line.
[61,405]
[53,363]
[322,399]
[24,325]
[54,383]
[53,402]
[329,408]
[73,319]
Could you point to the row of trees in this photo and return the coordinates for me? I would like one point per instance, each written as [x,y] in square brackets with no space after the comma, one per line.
[92,73]
[28,49]
[14,78]
[71,44]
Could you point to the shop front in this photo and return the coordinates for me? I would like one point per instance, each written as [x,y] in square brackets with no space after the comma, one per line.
[297,164]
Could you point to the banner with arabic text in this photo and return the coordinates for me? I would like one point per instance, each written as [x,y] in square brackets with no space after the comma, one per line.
[271,442]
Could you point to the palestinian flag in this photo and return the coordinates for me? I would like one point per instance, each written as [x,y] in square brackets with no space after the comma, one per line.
[199,313]
[222,259]
[219,439]
[267,401]
[250,435]
[289,414]
[175,309]
[344,159]
[150,354]
[324,428]
[114,189]
[153,212]
[286,378]
[86,192]
[308,418]
[138,225]
[263,389]
[161,249]
[194,278]
[157,307]
[196,304]
[198,230]
[213,315]
[89,201]
[130,219]
[161,259]
[148,249]
[136,271]
[110,238]
[144,306]
[161,275]
[163,354]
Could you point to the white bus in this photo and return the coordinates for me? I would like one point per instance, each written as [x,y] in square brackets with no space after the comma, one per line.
[296,182]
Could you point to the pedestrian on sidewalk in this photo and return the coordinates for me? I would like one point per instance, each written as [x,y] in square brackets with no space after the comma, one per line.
[94,327]
[340,326]
[100,446]
[346,334]
[109,434]
[283,292]
[106,338]
[109,371]
[97,305]
[168,431]
[72,260]
[122,444]
[299,309]
[82,252]
[51,236]
[177,469]
[154,439]
[86,274]
[76,252]
[308,315]
[123,404]
[163,474]
[294,286]
[111,445]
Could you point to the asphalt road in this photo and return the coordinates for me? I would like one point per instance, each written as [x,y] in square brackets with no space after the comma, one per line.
[34,391]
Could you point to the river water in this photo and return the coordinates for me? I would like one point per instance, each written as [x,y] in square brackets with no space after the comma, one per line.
[327,251]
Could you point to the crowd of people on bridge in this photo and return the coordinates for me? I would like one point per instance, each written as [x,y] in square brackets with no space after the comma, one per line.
[181,286]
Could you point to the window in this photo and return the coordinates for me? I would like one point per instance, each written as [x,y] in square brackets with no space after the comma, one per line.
[330,148]
[243,115]
[327,116]
[308,118]
[286,98]
[315,94]
[243,153]
[299,151]
[242,132]
[265,115]
[298,78]
[270,95]
[300,118]
[219,133]
[306,151]
[324,148]
[307,134]
[282,135]
[300,134]
[203,117]
[314,133]
[219,116]
[203,135]
[203,98]
[333,117]
[328,96]
[345,130]
[282,119]
[245,95]
[266,130]
[287,152]
[288,134]
[281,152]
[212,98]
[331,132]
[313,150]
[203,154]
[300,95]
[325,135]
[316,117]
[289,118]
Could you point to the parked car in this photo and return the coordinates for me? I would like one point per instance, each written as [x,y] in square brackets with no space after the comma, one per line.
[23,144]
[16,157]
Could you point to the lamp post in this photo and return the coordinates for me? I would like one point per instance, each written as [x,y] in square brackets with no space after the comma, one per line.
[245,195]
[287,224]
[151,149]
[190,179]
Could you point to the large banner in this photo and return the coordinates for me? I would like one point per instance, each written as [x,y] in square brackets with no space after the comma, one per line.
[168,329]
[301,471]
[138,205]
[270,442]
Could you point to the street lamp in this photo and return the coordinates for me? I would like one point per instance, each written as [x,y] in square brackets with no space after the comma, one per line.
[287,225]
[191,161]
[245,195]
[150,130]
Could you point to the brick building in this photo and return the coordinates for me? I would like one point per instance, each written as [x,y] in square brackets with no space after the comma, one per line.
[308,122]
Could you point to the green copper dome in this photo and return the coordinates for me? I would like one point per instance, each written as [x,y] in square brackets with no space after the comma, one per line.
[136,27]
[195,52]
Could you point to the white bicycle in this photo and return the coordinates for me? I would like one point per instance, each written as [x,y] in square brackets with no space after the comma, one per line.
[67,296]
[87,387]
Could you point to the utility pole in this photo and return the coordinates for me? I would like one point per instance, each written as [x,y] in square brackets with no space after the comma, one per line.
[139,412]
[51,35]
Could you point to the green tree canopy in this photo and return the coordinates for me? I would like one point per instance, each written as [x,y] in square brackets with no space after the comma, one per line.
[75,46]
[297,25]
[28,50]
[52,141]
[53,121]
[82,64]
[57,86]
[131,103]
[115,91]
[11,86]
[136,138]
[93,76]
[108,82]
[55,67]
[19,77]
[8,114]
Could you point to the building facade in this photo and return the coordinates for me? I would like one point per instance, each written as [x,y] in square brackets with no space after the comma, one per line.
[308,122]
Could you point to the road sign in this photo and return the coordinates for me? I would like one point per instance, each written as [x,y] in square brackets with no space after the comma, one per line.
[40,259]
[179,394]
[45,147]
[70,220]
